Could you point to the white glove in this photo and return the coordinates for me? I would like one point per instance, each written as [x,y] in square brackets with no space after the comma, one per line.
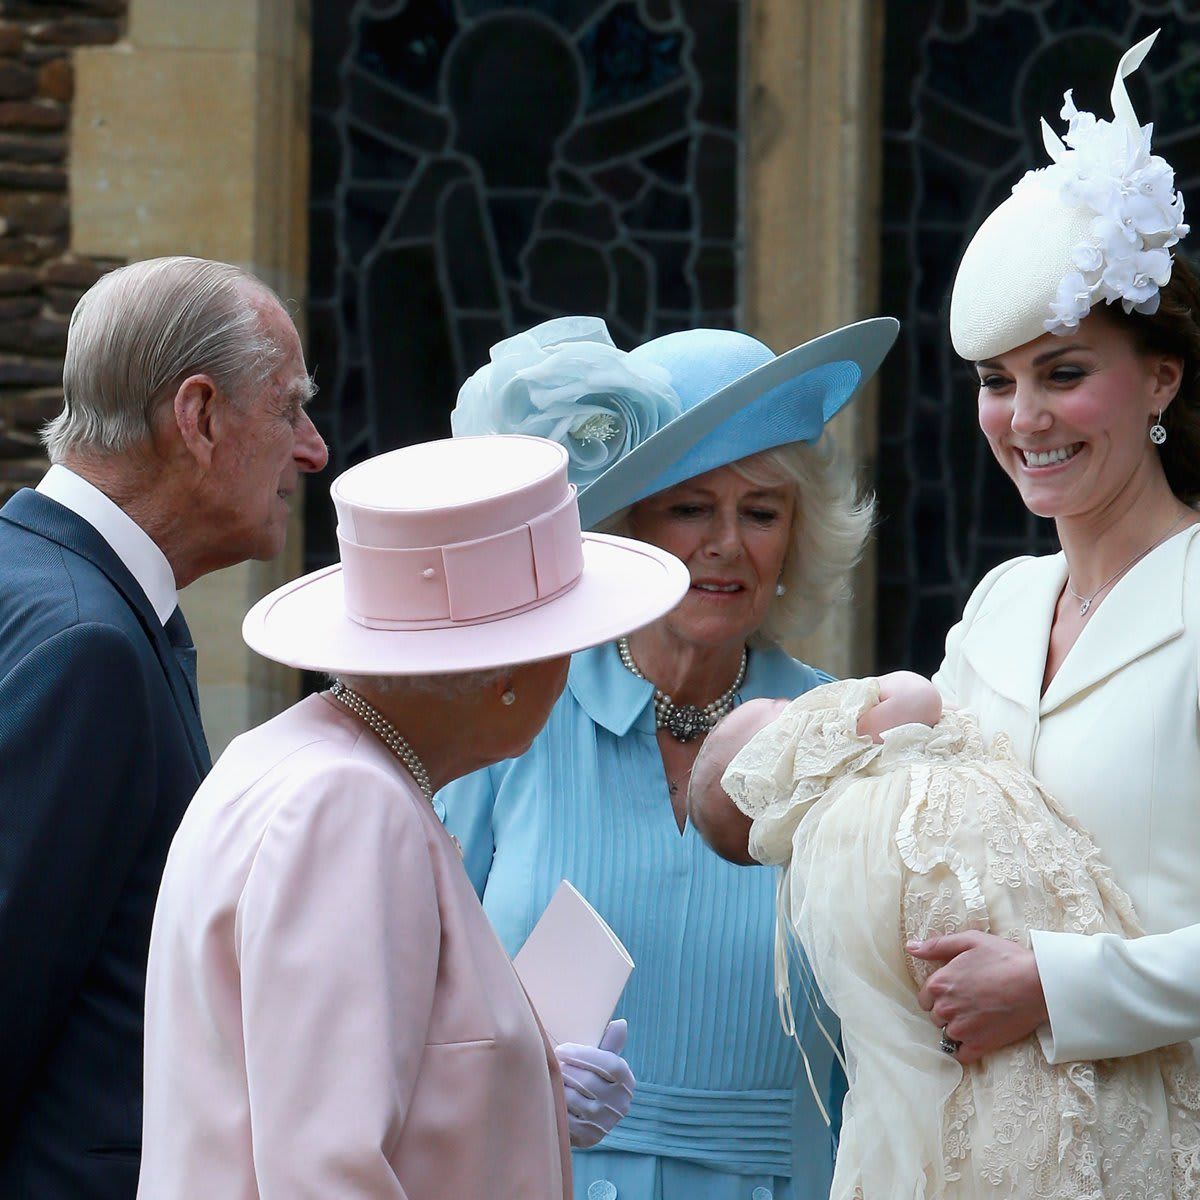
[598,1083]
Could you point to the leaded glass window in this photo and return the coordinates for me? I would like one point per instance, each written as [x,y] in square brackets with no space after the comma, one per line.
[965,84]
[480,166]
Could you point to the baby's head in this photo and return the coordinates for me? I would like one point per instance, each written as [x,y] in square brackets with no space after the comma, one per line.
[717,819]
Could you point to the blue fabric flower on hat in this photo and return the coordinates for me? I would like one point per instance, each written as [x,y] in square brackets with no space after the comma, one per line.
[565,380]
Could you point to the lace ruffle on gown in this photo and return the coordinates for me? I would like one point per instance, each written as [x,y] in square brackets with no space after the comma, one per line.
[934,832]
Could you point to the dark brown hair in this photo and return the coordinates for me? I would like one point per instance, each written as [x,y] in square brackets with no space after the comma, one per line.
[1175,329]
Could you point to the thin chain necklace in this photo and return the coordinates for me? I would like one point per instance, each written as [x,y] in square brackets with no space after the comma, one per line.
[390,736]
[1086,602]
[685,722]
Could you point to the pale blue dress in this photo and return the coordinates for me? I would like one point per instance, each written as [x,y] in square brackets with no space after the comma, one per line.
[723,1109]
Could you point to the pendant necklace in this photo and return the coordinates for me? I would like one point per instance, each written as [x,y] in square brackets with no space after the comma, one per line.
[685,722]
[1086,602]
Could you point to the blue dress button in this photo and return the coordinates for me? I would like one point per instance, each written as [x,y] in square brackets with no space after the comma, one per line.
[761,1193]
[602,1189]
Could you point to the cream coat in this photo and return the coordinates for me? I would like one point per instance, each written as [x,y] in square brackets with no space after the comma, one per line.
[328,1011]
[1116,739]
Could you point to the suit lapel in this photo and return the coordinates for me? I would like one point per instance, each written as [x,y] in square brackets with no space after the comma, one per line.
[1142,611]
[47,518]
[1007,642]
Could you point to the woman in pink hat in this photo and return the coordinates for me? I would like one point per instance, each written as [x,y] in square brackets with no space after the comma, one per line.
[329,1013]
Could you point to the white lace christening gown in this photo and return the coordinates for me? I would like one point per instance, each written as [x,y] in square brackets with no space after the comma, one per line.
[934,832]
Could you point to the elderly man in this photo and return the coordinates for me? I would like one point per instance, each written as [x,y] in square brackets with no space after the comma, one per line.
[182,437]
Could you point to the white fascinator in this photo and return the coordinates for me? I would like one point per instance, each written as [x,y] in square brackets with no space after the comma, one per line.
[1094,226]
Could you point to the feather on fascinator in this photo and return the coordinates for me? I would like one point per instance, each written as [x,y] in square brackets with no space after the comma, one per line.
[1096,225]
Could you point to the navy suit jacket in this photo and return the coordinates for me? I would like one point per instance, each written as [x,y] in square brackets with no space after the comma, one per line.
[101,749]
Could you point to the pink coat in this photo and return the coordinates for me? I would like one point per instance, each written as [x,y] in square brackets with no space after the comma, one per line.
[328,1012]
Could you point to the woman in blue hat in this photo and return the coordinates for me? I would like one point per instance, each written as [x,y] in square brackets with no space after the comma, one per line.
[704,443]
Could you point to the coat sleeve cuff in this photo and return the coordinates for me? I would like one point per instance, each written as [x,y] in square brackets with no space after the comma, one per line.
[1108,996]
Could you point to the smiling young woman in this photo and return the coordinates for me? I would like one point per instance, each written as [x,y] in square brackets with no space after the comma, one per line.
[1084,324]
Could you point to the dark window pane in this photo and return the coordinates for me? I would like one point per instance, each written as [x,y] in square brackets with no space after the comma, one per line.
[481,165]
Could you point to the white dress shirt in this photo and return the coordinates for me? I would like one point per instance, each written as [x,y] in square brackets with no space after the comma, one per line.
[128,540]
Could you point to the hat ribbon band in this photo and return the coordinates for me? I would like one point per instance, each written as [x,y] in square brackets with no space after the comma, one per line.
[465,583]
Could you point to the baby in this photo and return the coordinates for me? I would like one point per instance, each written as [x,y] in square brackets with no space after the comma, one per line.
[904,699]
[893,821]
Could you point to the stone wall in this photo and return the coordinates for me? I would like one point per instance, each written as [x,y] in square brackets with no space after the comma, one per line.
[40,281]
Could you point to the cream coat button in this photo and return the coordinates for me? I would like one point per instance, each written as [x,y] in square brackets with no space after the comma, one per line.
[602,1189]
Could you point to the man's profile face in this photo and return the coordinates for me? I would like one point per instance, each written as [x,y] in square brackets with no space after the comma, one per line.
[271,442]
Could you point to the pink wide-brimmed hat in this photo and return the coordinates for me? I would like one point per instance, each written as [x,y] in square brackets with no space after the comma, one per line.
[461,555]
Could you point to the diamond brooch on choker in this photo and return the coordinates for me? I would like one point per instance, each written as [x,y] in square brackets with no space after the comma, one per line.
[685,722]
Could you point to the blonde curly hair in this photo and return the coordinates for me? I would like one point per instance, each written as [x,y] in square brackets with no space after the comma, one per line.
[829,531]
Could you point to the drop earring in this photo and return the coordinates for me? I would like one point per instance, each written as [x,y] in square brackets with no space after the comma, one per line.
[1158,434]
[780,589]
[508,697]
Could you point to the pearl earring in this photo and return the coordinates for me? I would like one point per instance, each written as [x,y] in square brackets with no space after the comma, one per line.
[1158,434]
[780,589]
[509,697]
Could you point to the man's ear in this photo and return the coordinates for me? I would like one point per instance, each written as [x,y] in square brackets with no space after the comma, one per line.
[196,406]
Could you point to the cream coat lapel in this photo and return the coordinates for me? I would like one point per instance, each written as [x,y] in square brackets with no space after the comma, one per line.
[1143,610]
[1006,643]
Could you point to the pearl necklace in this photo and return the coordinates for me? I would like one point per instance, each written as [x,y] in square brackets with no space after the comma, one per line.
[685,722]
[389,735]
[1086,602]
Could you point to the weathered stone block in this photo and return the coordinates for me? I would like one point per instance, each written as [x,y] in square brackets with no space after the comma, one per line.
[56,80]
[32,114]
[184,182]
[18,443]
[15,280]
[72,271]
[21,472]
[14,308]
[37,336]
[43,9]
[213,25]
[32,409]
[46,148]
[23,250]
[32,178]
[63,300]
[32,213]
[75,31]
[23,372]
[17,81]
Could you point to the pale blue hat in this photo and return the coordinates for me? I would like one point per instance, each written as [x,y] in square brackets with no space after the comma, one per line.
[634,423]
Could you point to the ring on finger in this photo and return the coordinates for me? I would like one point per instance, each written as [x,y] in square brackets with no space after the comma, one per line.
[948,1045]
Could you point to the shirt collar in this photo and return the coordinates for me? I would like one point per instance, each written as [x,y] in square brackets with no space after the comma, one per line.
[617,699]
[128,540]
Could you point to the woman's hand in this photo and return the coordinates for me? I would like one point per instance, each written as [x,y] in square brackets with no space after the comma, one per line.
[986,995]
[598,1083]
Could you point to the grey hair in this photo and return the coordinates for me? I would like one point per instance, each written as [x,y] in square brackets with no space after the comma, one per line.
[139,332]
[441,687]
[829,532]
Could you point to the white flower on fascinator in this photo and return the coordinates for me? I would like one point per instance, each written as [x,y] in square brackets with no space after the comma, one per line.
[565,380]
[1107,167]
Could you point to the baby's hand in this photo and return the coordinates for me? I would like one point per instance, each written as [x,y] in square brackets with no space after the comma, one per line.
[904,699]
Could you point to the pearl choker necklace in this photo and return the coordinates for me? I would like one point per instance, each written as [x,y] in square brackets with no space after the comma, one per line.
[685,722]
